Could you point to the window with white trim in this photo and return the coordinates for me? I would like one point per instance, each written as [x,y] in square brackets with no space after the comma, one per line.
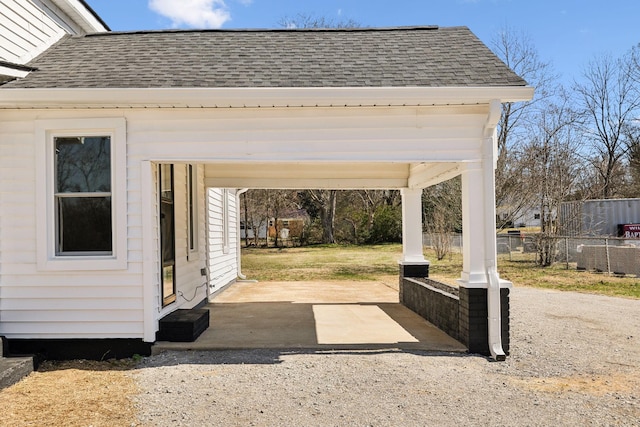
[81,194]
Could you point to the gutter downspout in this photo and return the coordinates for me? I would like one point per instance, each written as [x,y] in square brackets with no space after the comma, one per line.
[493,281]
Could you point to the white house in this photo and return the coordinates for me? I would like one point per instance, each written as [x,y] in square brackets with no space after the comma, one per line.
[120,154]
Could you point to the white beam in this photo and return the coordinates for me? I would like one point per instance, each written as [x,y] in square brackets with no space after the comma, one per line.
[313,183]
[424,175]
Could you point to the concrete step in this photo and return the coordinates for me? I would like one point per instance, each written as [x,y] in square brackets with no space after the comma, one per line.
[13,369]
[183,325]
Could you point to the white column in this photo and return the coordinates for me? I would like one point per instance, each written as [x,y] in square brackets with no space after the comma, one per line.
[412,226]
[479,269]
[474,269]
[150,263]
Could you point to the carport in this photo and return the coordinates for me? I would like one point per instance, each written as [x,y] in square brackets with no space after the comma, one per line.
[410,130]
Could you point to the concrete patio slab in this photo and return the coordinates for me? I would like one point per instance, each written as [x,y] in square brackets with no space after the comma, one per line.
[314,315]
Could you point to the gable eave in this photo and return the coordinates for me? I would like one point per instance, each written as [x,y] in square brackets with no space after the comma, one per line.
[82,15]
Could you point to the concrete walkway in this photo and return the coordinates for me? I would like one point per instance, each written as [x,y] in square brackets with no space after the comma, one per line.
[314,315]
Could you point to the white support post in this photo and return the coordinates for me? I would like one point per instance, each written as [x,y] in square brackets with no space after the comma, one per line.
[479,241]
[412,227]
[474,272]
[150,276]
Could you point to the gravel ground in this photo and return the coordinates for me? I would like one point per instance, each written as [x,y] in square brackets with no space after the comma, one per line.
[574,362]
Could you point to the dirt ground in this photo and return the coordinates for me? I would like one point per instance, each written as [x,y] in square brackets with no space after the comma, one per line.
[73,393]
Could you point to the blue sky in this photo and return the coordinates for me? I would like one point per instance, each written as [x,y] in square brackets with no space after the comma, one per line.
[566,33]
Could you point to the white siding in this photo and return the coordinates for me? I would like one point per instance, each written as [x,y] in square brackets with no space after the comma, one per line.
[392,134]
[26,30]
[191,287]
[223,266]
[50,304]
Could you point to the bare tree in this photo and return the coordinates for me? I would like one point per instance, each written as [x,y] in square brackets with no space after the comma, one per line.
[442,211]
[553,168]
[325,204]
[634,58]
[256,215]
[519,53]
[610,100]
[633,138]
[307,20]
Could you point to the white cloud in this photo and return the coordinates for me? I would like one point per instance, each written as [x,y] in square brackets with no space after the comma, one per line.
[192,13]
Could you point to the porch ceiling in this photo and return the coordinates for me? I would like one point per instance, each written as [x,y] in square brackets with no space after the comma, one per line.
[320,175]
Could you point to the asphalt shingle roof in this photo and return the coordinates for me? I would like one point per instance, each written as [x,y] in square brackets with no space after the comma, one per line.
[392,57]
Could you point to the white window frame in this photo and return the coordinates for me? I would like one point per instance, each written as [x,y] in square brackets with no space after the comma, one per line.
[193,212]
[45,132]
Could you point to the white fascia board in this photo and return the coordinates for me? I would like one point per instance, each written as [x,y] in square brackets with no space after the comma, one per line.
[13,72]
[80,15]
[258,97]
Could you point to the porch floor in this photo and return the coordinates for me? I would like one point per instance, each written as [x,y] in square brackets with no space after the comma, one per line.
[314,315]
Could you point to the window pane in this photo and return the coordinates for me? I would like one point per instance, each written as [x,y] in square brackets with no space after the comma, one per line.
[83,164]
[84,224]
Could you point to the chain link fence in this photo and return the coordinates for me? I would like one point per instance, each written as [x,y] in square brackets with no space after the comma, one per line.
[607,254]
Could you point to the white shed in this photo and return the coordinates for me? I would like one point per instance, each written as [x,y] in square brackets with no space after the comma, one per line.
[121,153]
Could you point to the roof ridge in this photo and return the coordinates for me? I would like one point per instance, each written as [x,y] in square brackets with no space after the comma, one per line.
[272,30]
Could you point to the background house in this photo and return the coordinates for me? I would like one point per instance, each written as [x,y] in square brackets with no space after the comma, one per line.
[289,227]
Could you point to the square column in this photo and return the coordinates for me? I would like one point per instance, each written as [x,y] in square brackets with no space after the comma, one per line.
[474,244]
[412,225]
[483,331]
[413,263]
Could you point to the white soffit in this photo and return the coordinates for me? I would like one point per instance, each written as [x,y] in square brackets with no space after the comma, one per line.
[347,175]
[258,97]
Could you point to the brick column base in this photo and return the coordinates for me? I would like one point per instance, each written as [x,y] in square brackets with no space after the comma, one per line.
[412,270]
[473,329]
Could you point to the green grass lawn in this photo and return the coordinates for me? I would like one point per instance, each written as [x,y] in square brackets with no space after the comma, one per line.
[380,262]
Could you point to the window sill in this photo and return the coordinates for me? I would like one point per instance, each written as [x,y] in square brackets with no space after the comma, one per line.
[82,263]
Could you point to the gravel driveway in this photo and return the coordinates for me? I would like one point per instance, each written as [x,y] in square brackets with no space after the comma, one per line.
[575,361]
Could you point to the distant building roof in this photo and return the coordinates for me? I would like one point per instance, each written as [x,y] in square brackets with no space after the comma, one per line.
[367,57]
